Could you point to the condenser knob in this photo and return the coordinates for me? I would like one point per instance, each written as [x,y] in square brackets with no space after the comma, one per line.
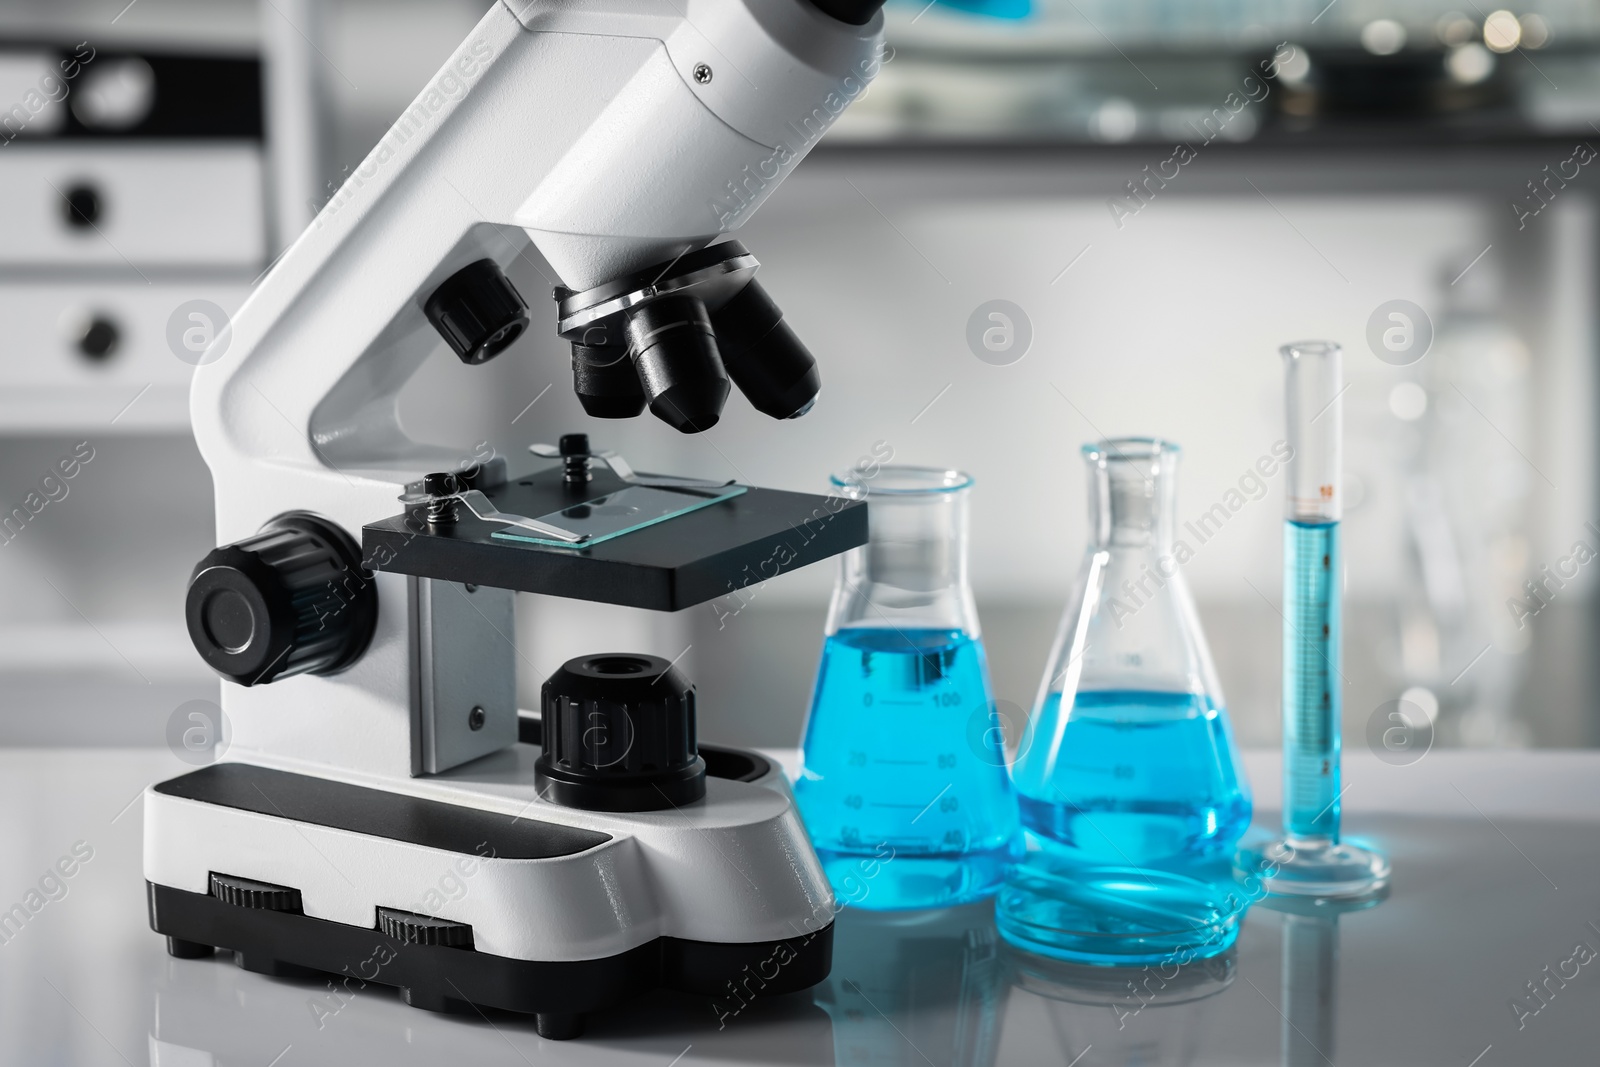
[619,735]
[293,599]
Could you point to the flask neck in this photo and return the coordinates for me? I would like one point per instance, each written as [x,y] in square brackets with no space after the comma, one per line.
[1132,497]
[912,572]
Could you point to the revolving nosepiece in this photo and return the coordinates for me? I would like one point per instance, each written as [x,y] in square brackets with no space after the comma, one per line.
[672,336]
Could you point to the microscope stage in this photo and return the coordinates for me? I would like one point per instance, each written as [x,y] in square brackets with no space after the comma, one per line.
[686,560]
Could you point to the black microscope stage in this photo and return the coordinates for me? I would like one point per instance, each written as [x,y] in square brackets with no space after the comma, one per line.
[714,551]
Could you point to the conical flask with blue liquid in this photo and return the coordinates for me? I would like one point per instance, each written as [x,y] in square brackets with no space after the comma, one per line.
[904,788]
[1131,788]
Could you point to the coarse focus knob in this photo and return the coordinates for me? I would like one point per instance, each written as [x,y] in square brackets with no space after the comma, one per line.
[293,599]
[619,735]
[477,311]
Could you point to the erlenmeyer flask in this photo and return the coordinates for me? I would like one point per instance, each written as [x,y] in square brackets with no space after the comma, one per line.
[902,775]
[1131,781]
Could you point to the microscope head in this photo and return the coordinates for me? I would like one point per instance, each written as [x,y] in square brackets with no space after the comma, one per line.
[661,310]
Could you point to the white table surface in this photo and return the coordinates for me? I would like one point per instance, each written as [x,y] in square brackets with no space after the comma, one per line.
[1497,874]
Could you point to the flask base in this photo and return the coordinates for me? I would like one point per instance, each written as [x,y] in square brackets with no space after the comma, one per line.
[1117,916]
[1316,868]
[898,881]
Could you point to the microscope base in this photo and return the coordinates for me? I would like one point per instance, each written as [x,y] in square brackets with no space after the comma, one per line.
[462,981]
[469,891]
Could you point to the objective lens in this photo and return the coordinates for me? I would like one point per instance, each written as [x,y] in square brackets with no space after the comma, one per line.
[764,357]
[675,352]
[606,381]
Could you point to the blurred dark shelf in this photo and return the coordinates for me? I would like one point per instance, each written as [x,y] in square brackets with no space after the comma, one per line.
[1325,97]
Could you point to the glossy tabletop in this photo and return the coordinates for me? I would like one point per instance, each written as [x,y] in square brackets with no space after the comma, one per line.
[1484,954]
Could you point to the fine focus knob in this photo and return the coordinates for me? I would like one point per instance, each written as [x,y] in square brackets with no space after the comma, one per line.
[477,311]
[619,735]
[293,599]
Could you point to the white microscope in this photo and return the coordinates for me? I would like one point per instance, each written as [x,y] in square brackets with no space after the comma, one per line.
[383,814]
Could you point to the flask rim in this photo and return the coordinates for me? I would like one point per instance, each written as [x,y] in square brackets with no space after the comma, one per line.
[1295,350]
[1124,449]
[901,480]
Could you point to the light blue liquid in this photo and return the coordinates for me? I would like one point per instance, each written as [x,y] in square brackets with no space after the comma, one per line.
[1139,777]
[1132,804]
[901,762]
[1311,691]
[1000,9]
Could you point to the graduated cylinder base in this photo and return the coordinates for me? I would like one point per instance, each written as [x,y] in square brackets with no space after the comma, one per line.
[1117,915]
[1315,867]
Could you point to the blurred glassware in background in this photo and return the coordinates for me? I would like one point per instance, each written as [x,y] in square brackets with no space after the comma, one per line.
[915,987]
[1225,23]
[1467,513]
[1132,789]
[1030,69]
[900,759]
[1128,1016]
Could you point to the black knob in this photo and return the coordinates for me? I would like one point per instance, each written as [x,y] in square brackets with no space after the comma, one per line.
[619,735]
[99,339]
[81,206]
[443,483]
[477,311]
[293,599]
[412,929]
[574,449]
[257,896]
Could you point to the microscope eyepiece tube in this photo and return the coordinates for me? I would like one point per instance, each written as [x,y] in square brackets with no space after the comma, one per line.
[765,359]
[853,12]
[675,351]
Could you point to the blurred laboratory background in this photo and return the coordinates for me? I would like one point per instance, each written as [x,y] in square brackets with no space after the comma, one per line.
[1157,193]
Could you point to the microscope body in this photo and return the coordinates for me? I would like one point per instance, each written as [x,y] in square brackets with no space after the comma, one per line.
[612,135]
